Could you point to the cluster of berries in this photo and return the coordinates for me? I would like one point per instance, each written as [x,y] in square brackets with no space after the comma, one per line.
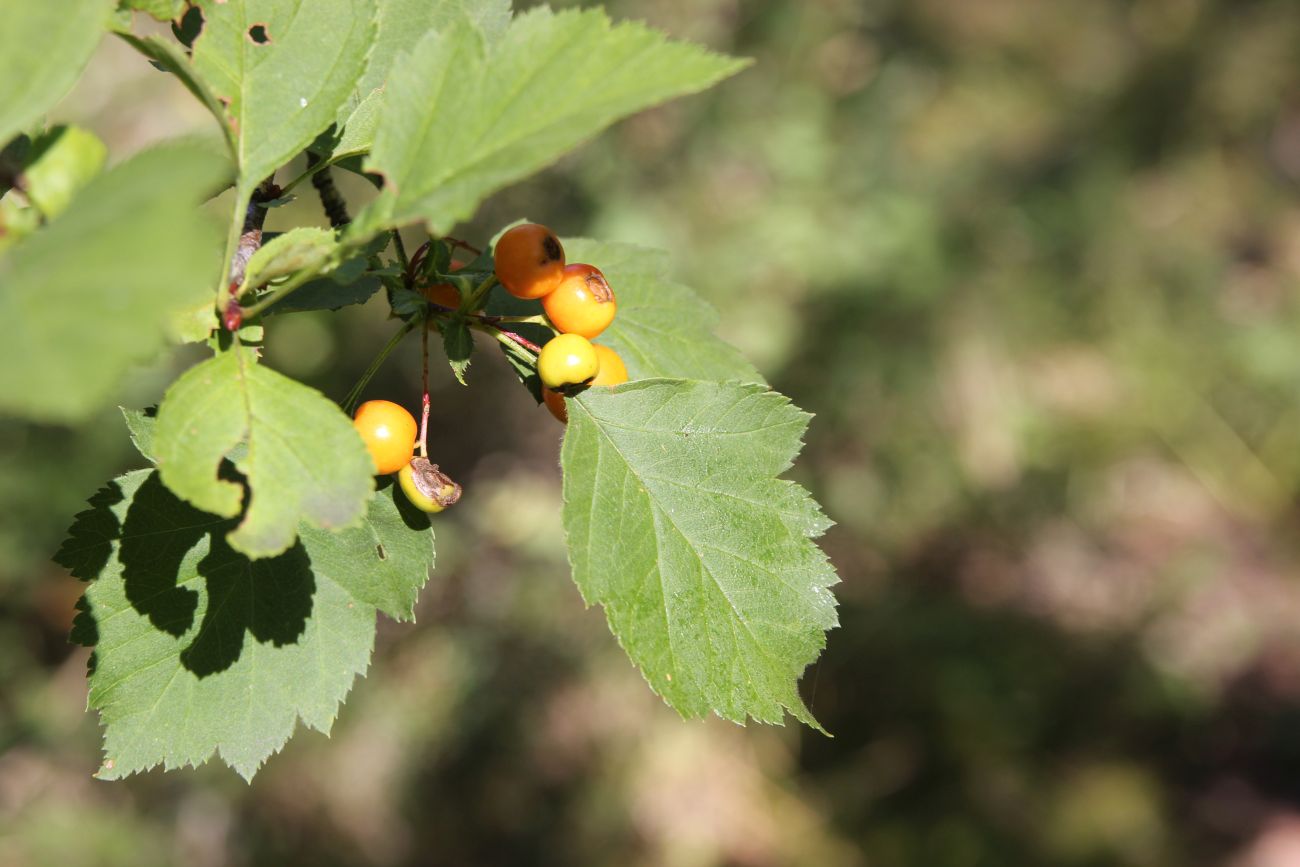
[529,263]
[389,432]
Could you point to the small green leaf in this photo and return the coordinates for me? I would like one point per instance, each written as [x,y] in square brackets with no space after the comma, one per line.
[458,343]
[43,48]
[662,328]
[305,248]
[87,296]
[60,163]
[524,364]
[199,650]
[305,460]
[702,558]
[281,72]
[464,115]
[326,293]
[141,423]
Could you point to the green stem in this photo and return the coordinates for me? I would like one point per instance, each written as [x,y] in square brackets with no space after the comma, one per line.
[475,298]
[233,234]
[312,168]
[401,252]
[349,403]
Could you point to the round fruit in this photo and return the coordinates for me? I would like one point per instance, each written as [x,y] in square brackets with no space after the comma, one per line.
[389,433]
[568,359]
[555,403]
[442,293]
[612,369]
[583,303]
[529,261]
[428,488]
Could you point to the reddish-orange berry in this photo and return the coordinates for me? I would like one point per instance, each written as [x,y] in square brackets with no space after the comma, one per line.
[389,433]
[555,403]
[529,260]
[583,303]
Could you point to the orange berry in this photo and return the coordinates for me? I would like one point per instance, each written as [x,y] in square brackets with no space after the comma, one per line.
[583,303]
[529,261]
[612,369]
[555,403]
[389,433]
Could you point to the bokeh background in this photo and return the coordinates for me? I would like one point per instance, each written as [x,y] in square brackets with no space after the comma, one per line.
[1035,266]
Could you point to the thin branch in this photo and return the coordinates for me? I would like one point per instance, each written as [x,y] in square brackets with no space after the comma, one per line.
[336,209]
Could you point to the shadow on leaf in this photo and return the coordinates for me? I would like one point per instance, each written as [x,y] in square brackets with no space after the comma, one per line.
[158,536]
[270,598]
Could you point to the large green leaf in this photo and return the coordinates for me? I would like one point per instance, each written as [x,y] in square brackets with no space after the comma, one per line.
[87,296]
[282,69]
[305,461]
[662,328]
[401,24]
[464,116]
[201,650]
[43,48]
[702,558]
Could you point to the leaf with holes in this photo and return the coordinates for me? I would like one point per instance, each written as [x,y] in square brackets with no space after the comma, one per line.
[199,650]
[702,558]
[305,461]
[464,116]
[281,72]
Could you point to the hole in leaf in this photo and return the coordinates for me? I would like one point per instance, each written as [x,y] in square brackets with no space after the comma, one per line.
[379,549]
[189,26]
[258,34]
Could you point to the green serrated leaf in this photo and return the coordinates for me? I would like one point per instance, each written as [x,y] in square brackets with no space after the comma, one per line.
[464,116]
[662,328]
[305,248]
[59,164]
[702,558]
[199,650]
[458,343]
[141,424]
[401,24]
[88,295]
[162,10]
[280,72]
[326,293]
[524,364]
[43,48]
[305,460]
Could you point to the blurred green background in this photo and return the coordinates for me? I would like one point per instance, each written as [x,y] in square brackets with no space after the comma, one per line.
[1034,266]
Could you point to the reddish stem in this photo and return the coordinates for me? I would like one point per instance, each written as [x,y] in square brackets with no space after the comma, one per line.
[522,341]
[424,409]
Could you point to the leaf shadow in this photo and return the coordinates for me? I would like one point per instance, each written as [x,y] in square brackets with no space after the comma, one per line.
[164,544]
[270,598]
[157,535]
